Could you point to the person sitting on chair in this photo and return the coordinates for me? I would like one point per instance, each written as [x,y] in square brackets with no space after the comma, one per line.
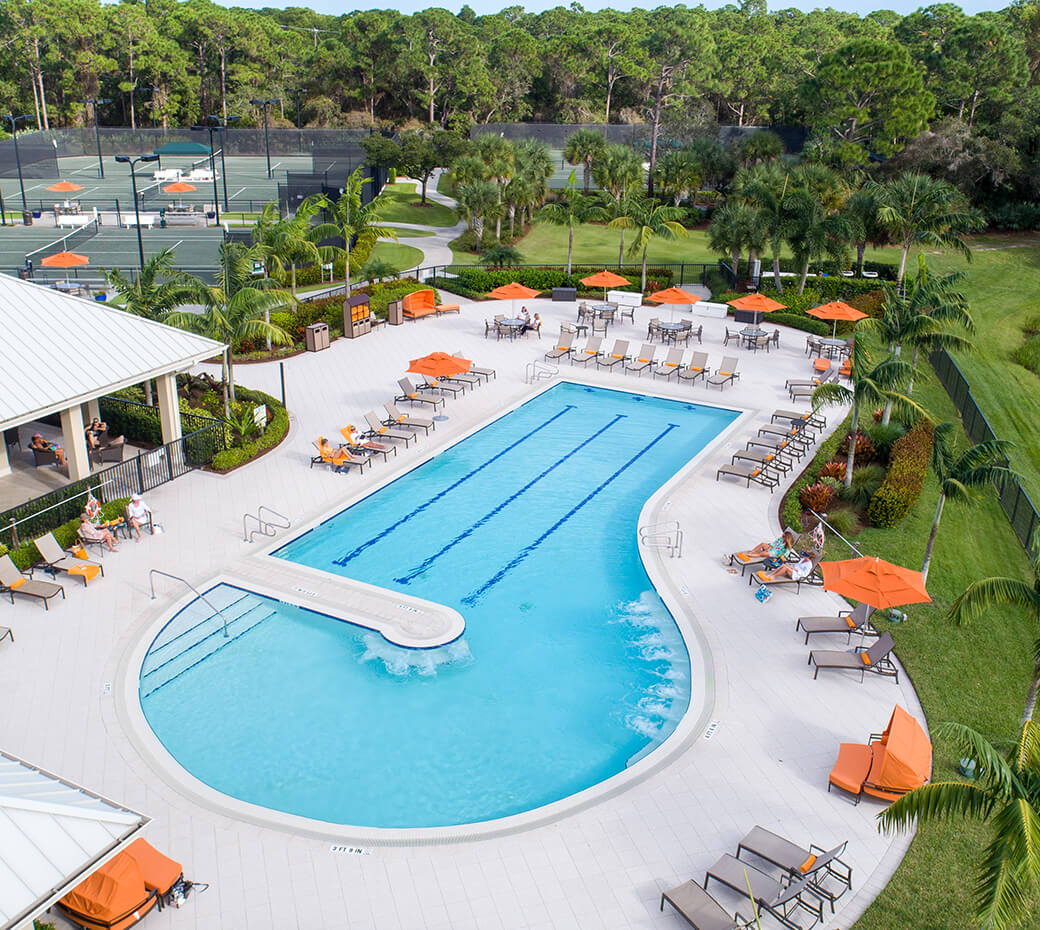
[138,514]
[96,534]
[41,444]
[94,431]
[796,571]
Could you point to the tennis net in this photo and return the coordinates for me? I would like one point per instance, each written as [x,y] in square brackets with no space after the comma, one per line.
[66,243]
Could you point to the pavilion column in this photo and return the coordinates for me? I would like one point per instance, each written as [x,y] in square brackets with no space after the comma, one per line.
[169,409]
[75,443]
[93,410]
[5,464]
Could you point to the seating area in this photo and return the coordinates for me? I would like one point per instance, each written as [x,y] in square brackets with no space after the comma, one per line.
[418,304]
[781,447]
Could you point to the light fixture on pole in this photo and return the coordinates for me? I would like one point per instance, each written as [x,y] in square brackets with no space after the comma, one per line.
[298,93]
[97,132]
[223,127]
[267,138]
[13,120]
[212,168]
[132,162]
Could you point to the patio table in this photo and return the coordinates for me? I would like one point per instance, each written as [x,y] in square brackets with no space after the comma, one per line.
[671,330]
[749,335]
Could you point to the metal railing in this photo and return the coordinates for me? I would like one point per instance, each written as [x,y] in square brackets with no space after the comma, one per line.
[1017,505]
[539,371]
[151,583]
[263,527]
[668,535]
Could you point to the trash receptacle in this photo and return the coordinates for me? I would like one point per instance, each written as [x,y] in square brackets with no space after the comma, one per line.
[27,218]
[395,312]
[316,337]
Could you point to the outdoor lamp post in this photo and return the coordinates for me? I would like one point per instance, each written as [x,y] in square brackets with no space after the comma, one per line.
[97,132]
[212,168]
[267,138]
[298,93]
[132,162]
[13,120]
[223,127]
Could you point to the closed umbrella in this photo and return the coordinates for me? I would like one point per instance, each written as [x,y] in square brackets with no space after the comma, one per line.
[836,310]
[605,279]
[874,581]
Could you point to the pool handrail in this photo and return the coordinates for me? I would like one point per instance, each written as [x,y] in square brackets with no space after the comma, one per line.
[151,583]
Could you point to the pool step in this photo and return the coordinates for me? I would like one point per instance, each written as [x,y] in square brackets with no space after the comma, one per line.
[193,621]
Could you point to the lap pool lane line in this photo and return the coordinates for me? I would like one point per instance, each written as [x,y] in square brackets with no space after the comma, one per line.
[471,598]
[465,534]
[354,553]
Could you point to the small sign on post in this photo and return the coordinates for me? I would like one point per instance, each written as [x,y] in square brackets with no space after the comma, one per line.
[260,415]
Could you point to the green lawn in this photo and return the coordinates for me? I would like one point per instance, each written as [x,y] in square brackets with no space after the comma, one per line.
[400,256]
[403,207]
[445,185]
[414,233]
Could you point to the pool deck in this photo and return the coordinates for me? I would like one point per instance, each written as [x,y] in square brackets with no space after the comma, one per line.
[759,754]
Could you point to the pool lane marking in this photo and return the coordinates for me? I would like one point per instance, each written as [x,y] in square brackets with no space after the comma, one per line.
[357,550]
[465,534]
[473,597]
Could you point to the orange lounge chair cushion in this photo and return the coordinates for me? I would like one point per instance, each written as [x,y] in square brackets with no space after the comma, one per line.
[160,873]
[419,303]
[822,364]
[443,308]
[808,864]
[852,767]
[113,898]
[87,572]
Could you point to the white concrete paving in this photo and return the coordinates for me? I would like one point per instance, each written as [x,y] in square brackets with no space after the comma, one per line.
[602,866]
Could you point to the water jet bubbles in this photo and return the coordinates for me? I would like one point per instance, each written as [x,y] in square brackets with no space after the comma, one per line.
[404,663]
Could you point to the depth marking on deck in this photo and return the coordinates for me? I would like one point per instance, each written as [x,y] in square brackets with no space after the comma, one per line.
[713,728]
[351,850]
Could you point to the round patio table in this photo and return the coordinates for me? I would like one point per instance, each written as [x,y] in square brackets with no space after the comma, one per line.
[671,330]
[749,335]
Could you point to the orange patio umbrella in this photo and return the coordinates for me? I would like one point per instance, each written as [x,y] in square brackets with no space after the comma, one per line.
[674,296]
[65,260]
[605,279]
[874,581]
[439,365]
[513,292]
[836,310]
[179,187]
[757,302]
[65,187]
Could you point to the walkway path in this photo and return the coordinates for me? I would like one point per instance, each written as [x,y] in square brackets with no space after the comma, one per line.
[436,249]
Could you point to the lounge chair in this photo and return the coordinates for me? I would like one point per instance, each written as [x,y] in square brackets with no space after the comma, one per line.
[366,446]
[562,349]
[411,394]
[617,355]
[812,419]
[395,417]
[828,876]
[782,897]
[763,459]
[442,385]
[758,475]
[54,559]
[338,458]
[700,910]
[780,446]
[794,434]
[377,429]
[642,361]
[671,365]
[727,372]
[848,622]
[697,368]
[813,578]
[13,582]
[486,373]
[589,354]
[876,659]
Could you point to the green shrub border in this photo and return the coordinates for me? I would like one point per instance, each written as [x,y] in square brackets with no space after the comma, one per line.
[790,508]
[277,428]
[27,553]
[907,470]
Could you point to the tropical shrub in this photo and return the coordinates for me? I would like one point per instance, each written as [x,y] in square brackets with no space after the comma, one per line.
[866,479]
[835,469]
[883,436]
[816,497]
[865,451]
[844,521]
[274,433]
[907,471]
[791,509]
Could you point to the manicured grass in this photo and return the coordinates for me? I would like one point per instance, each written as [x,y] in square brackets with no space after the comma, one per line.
[445,185]
[403,207]
[413,233]
[400,256]
[598,245]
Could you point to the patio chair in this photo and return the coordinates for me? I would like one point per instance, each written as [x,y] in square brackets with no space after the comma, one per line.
[568,328]
[589,354]
[377,429]
[599,328]
[584,313]
[814,578]
[642,361]
[13,582]
[486,373]
[653,329]
[782,897]
[758,475]
[812,419]
[440,384]
[700,910]
[812,345]
[44,457]
[698,368]
[411,394]
[875,660]
[395,417]
[338,458]
[729,335]
[776,338]
[563,348]
[829,877]
[848,622]
[763,459]
[489,328]
[671,365]
[691,332]
[617,356]
[762,342]
[54,559]
[366,446]
[726,373]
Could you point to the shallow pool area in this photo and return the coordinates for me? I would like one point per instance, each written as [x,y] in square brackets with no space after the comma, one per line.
[570,668]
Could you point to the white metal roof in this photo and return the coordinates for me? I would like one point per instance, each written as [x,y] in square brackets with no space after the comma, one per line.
[57,350]
[52,835]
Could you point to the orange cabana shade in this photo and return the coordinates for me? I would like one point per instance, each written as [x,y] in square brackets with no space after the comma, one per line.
[673,295]
[757,302]
[874,581]
[512,291]
[439,365]
[836,310]
[65,260]
[179,187]
[605,279]
[65,187]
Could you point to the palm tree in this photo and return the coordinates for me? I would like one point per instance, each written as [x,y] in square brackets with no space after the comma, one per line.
[980,597]
[294,240]
[920,210]
[500,255]
[812,233]
[651,221]
[1007,797]
[519,192]
[729,231]
[499,157]
[478,200]
[872,386]
[569,209]
[765,191]
[534,164]
[237,307]
[584,147]
[355,224]
[377,268]
[609,210]
[619,171]
[981,466]
[861,213]
[678,173]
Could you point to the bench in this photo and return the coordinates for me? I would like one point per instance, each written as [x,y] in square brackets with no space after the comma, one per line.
[421,303]
[707,308]
[564,293]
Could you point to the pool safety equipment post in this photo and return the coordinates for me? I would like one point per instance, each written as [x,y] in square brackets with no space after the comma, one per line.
[212,168]
[97,132]
[13,120]
[267,138]
[132,162]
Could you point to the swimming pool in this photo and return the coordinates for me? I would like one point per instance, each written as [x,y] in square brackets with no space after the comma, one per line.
[570,667]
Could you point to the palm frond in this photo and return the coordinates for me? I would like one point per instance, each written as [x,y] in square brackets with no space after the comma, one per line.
[1010,868]
[939,801]
[998,777]
[982,596]
[832,395]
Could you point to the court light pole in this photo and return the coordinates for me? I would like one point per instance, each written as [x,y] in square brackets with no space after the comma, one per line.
[97,131]
[212,168]
[223,127]
[13,120]
[267,138]
[298,93]
[132,162]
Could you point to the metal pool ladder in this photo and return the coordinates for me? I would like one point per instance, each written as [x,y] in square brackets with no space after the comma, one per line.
[216,610]
[539,371]
[663,536]
[264,526]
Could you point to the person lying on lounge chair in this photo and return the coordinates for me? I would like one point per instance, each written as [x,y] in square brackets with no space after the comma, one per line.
[96,534]
[338,457]
[779,548]
[796,571]
[38,442]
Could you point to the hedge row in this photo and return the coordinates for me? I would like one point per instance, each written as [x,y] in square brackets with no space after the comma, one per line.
[277,427]
[790,509]
[313,274]
[908,467]
[476,282]
[799,321]
[27,553]
[142,423]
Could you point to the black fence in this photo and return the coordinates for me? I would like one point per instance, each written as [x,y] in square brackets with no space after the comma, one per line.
[1016,502]
[38,160]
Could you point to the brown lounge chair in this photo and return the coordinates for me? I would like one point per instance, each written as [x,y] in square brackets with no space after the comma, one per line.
[339,458]
[697,368]
[396,418]
[762,459]
[54,559]
[809,419]
[671,365]
[378,430]
[813,578]
[617,355]
[642,361]
[366,446]
[700,910]
[852,621]
[782,897]
[13,582]
[589,353]
[875,659]
[727,372]
[784,446]
[411,394]
[829,877]
[758,475]
[486,373]
[562,349]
